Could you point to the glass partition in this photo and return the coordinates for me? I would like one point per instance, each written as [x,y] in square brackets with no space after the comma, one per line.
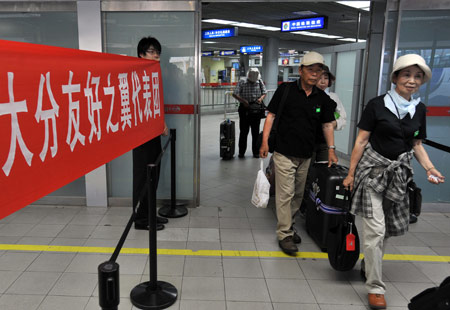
[344,87]
[175,32]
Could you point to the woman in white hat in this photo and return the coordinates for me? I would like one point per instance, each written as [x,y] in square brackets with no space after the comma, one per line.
[391,130]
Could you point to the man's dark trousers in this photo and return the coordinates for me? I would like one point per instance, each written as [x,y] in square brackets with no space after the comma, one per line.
[143,155]
[246,122]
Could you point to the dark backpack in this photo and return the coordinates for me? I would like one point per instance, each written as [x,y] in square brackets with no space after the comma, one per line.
[435,298]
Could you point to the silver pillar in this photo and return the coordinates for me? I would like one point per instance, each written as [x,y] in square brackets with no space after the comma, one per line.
[244,65]
[90,39]
[374,51]
[271,63]
[285,74]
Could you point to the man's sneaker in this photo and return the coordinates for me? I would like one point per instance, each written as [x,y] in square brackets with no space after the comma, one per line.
[377,301]
[161,220]
[288,246]
[296,238]
[143,225]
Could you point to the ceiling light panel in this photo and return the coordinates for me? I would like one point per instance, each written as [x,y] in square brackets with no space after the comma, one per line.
[362,5]
[241,24]
[315,34]
[304,13]
[218,21]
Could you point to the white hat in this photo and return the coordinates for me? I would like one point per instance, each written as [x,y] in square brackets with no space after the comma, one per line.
[253,75]
[410,60]
[312,58]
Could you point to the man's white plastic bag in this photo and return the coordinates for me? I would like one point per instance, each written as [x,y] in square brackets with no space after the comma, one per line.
[261,190]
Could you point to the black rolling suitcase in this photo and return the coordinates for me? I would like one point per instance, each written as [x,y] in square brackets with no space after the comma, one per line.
[227,139]
[325,204]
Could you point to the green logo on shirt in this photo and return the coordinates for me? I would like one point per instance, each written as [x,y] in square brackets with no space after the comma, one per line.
[317,110]
[416,133]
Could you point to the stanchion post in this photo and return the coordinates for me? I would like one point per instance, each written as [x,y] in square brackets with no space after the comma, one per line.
[153,294]
[152,176]
[173,173]
[108,285]
[174,209]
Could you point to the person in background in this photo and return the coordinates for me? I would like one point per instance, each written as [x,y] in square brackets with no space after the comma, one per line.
[391,130]
[306,107]
[249,91]
[147,153]
[326,81]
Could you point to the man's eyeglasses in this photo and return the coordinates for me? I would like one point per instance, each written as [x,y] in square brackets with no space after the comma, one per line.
[152,51]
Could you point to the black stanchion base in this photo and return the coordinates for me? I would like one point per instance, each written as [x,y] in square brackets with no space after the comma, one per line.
[163,297]
[172,212]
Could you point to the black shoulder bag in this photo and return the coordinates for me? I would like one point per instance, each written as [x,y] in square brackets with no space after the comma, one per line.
[255,108]
[414,192]
[273,132]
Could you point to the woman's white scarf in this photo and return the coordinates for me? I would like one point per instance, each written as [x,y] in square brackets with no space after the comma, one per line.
[404,106]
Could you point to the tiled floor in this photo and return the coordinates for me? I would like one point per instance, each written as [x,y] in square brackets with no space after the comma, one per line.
[225,221]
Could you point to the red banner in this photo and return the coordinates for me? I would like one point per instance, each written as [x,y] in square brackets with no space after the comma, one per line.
[65,112]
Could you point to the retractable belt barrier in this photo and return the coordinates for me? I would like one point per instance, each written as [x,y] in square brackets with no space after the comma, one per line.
[152,294]
[436,145]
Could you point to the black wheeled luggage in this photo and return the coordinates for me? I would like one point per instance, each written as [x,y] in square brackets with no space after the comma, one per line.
[325,204]
[227,139]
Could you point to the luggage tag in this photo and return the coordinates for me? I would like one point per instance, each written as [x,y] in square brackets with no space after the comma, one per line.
[350,240]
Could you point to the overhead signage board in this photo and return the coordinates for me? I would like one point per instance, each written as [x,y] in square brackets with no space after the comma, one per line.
[227,53]
[220,33]
[206,54]
[310,23]
[251,49]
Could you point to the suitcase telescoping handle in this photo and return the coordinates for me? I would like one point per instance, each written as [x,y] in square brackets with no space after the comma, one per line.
[347,200]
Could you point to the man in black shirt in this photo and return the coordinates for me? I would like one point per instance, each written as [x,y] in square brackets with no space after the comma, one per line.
[304,108]
[147,153]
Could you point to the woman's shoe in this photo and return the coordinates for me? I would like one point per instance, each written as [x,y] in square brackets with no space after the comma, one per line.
[377,301]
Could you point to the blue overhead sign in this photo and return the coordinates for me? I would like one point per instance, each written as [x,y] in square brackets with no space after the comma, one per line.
[207,54]
[309,23]
[251,49]
[227,53]
[219,33]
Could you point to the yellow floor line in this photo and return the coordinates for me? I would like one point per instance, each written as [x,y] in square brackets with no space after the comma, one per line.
[180,252]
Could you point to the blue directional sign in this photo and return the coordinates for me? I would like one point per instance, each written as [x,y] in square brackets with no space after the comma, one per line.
[251,49]
[205,54]
[227,53]
[310,23]
[219,33]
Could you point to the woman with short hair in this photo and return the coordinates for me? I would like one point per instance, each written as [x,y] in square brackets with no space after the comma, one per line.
[324,83]
[391,130]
